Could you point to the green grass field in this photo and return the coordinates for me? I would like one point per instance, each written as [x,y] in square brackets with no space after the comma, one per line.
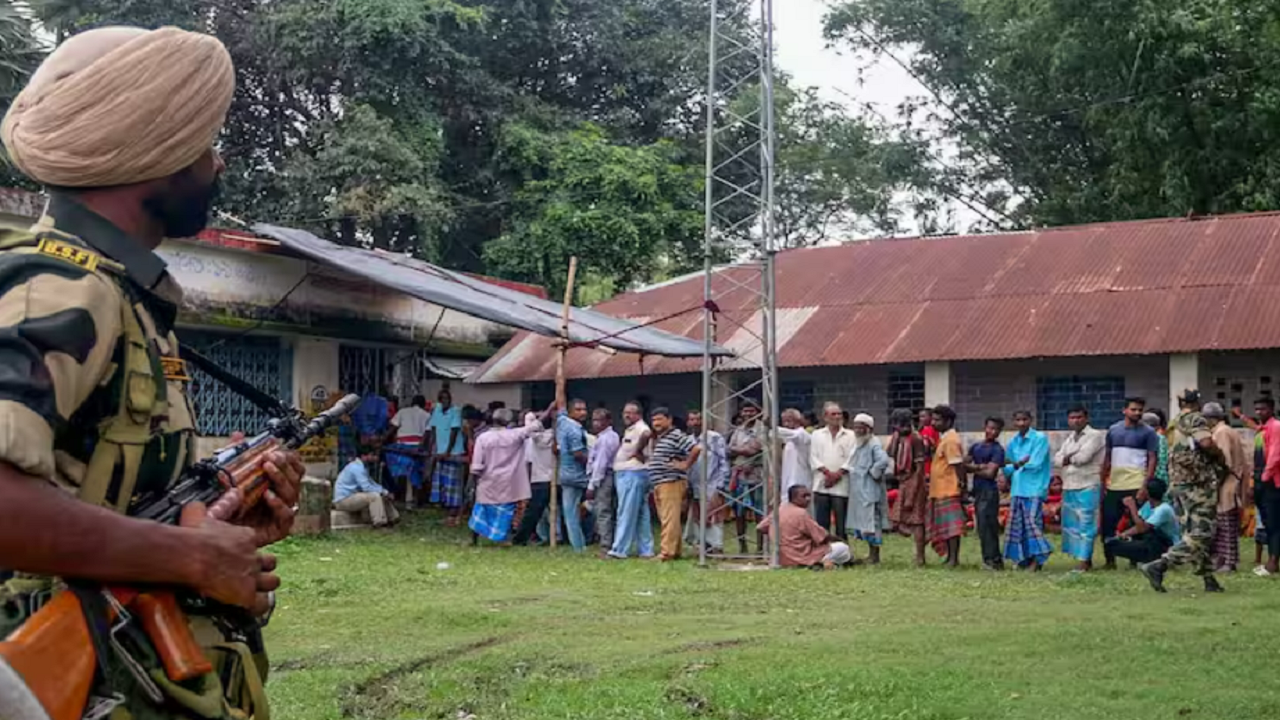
[368,627]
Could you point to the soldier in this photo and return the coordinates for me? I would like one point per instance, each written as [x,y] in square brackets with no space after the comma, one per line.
[1196,469]
[119,124]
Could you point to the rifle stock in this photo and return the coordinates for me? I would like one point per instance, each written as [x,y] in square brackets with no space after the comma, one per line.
[53,651]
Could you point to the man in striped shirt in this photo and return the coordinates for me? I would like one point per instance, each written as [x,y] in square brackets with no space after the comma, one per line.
[674,452]
[1127,466]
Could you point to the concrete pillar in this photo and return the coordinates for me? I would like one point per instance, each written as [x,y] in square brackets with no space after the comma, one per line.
[315,368]
[937,383]
[315,365]
[1184,374]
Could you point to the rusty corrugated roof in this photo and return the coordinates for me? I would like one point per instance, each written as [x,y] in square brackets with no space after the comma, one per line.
[1140,287]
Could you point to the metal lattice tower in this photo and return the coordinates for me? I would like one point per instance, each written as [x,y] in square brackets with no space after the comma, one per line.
[739,246]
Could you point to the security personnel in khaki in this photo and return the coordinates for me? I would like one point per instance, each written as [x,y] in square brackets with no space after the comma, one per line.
[1197,468]
[119,124]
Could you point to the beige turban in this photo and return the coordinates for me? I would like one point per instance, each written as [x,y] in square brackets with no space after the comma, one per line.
[120,105]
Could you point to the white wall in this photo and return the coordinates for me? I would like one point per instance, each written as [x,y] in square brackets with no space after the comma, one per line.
[937,384]
[1184,374]
[315,364]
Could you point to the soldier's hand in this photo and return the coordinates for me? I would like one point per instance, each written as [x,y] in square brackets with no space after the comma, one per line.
[229,567]
[272,519]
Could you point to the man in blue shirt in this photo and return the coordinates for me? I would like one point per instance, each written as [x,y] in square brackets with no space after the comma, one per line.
[1028,469]
[1155,531]
[449,448]
[601,489]
[985,460]
[355,492]
[571,446]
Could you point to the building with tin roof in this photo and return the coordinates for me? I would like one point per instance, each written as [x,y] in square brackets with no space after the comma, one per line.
[989,324]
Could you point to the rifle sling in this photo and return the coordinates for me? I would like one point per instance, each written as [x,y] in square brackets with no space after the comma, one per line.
[97,618]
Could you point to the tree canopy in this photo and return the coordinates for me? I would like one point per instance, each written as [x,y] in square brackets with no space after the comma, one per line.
[20,53]
[1072,111]
[500,136]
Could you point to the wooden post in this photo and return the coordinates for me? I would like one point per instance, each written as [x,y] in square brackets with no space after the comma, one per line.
[561,401]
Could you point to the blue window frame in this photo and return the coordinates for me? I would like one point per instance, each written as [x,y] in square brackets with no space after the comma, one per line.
[263,361]
[1055,395]
[796,394]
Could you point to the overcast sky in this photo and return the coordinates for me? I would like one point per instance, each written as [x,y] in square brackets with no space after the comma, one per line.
[801,51]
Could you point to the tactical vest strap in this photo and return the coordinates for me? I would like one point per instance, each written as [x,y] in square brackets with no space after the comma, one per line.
[123,437]
[245,693]
[11,238]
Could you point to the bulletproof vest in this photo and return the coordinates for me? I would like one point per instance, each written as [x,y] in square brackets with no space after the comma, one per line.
[128,440]
[123,441]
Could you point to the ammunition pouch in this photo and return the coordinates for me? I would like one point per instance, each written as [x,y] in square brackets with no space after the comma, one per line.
[234,690]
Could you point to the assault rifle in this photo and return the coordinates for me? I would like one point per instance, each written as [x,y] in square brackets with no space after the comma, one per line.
[57,651]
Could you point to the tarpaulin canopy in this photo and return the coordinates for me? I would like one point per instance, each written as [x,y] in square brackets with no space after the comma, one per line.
[487,301]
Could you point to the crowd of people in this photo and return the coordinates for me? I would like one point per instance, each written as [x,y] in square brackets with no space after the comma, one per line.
[1147,490]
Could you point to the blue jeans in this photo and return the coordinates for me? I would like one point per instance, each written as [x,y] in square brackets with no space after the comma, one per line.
[570,499]
[633,521]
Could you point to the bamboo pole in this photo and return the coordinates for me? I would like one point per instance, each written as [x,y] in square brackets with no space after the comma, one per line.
[561,401]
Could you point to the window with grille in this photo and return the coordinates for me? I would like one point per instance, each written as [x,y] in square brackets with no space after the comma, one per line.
[361,370]
[906,391]
[796,394]
[1102,396]
[264,362]
[1240,391]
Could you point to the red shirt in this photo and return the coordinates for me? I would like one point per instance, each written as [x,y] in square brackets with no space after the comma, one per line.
[931,438]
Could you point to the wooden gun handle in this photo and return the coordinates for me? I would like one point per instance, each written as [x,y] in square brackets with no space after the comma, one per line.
[166,626]
[53,653]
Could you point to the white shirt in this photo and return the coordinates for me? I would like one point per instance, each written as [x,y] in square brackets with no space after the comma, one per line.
[411,422]
[831,453]
[630,447]
[1086,452]
[538,453]
[795,458]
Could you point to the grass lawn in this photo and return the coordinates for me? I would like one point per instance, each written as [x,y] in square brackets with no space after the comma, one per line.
[368,627]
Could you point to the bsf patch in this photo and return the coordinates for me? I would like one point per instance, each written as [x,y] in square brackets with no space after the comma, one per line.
[175,369]
[67,252]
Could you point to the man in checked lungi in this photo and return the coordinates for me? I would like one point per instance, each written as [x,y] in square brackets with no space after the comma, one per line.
[501,477]
[1029,467]
[449,455]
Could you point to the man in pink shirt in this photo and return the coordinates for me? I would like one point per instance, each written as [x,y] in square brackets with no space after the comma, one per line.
[1268,491]
[501,477]
[801,541]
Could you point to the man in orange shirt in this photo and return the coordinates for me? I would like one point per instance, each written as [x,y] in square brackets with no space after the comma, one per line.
[801,541]
[946,487]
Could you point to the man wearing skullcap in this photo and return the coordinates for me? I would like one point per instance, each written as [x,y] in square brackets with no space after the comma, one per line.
[119,124]
[868,468]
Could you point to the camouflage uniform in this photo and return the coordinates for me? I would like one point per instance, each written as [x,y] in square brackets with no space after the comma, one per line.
[93,400]
[1195,474]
